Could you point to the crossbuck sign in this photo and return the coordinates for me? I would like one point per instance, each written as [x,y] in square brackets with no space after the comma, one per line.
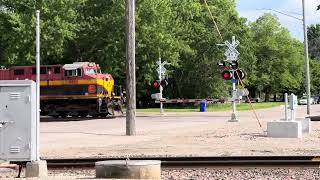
[161,69]
[232,54]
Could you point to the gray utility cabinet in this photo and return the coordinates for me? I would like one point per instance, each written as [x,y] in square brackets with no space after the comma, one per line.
[18,125]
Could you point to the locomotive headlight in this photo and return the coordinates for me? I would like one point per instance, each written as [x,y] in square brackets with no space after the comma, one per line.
[92,89]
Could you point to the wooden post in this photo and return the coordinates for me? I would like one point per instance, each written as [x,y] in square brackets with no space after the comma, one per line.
[130,69]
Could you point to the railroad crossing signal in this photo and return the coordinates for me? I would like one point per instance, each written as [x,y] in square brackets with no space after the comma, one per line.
[161,69]
[232,54]
[233,74]
[161,72]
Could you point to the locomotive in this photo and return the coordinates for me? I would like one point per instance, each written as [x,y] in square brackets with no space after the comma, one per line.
[71,89]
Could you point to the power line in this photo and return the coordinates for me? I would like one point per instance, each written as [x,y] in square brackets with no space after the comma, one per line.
[286,14]
[215,24]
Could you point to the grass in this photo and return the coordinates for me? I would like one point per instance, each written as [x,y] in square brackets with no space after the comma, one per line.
[214,107]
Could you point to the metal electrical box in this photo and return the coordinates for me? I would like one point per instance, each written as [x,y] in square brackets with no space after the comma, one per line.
[18,126]
[293,102]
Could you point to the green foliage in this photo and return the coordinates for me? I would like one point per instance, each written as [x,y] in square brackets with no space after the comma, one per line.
[315,76]
[181,32]
[314,41]
[197,74]
[279,57]
[58,26]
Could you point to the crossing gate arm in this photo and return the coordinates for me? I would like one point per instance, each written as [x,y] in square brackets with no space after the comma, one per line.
[184,101]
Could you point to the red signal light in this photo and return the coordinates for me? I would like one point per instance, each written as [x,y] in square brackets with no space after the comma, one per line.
[155,84]
[227,75]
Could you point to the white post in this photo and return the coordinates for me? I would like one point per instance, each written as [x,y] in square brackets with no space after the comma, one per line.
[293,114]
[286,106]
[160,78]
[38,83]
[234,113]
[306,57]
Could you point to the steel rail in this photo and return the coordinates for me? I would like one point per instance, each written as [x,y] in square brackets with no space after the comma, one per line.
[202,162]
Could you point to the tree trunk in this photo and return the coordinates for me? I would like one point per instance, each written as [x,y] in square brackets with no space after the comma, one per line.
[267,97]
[275,97]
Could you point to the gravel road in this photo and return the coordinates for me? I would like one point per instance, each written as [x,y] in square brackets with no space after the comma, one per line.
[177,134]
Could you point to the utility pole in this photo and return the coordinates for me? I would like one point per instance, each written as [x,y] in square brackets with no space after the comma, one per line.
[306,57]
[130,69]
[38,83]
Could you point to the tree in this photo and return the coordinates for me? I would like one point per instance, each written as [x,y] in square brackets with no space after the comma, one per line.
[314,41]
[315,76]
[103,38]
[17,20]
[197,74]
[279,57]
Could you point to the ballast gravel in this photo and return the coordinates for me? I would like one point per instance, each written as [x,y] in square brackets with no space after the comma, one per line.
[199,174]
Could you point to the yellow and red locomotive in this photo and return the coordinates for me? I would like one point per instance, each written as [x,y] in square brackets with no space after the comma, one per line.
[71,89]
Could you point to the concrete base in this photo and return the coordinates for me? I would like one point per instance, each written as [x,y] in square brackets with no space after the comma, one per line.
[131,169]
[305,124]
[234,118]
[284,129]
[36,169]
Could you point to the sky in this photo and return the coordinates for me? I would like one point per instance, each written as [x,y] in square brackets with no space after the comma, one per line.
[252,9]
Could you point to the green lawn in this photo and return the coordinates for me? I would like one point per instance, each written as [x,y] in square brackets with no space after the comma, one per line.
[215,107]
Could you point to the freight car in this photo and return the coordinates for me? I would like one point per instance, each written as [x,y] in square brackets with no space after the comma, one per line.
[78,89]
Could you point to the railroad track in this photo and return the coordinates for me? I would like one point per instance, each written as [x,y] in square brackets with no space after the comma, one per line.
[202,162]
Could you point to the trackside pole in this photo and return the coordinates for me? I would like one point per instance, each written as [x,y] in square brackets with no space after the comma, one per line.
[160,79]
[286,106]
[37,168]
[306,57]
[38,83]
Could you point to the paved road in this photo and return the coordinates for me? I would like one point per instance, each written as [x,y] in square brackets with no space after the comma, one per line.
[177,134]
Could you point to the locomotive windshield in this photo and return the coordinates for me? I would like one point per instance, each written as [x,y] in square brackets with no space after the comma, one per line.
[91,71]
[73,72]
